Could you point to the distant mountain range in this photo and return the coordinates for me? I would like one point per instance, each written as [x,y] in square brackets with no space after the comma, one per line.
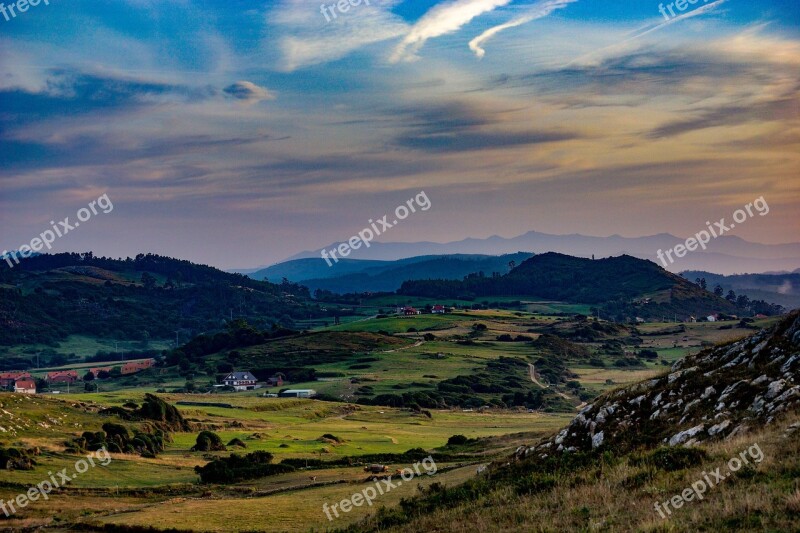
[725,255]
[350,275]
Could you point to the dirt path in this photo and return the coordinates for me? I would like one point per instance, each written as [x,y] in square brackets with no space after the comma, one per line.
[418,343]
[533,378]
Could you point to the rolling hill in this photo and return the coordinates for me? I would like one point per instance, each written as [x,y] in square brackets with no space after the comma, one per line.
[49,297]
[626,285]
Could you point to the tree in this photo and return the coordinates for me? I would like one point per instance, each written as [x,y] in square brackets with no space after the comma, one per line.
[701,282]
[148,281]
[718,290]
[89,376]
[511,265]
[731,297]
[742,301]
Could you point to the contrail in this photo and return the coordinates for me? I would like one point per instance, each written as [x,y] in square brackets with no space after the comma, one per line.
[538,11]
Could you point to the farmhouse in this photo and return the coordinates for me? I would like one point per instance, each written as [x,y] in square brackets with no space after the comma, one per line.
[297,393]
[62,376]
[137,366]
[410,311]
[240,381]
[25,386]
[438,310]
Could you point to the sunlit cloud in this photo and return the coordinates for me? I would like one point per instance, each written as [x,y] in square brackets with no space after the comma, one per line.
[539,10]
[442,19]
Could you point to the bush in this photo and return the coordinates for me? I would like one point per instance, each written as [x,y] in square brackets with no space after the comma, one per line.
[457,440]
[208,441]
[238,468]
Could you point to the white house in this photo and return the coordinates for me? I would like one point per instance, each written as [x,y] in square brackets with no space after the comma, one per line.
[298,393]
[240,381]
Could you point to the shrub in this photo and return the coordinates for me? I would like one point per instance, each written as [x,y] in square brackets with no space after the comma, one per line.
[457,440]
[241,468]
[208,441]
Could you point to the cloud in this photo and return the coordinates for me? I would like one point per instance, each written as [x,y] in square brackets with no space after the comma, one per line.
[650,29]
[305,38]
[460,126]
[440,20]
[539,10]
[249,92]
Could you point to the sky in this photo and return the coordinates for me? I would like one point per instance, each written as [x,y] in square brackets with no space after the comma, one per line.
[238,133]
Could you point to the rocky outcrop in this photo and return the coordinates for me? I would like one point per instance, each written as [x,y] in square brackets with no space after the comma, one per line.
[716,394]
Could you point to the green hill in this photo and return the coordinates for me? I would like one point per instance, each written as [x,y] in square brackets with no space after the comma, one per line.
[626,286]
[46,298]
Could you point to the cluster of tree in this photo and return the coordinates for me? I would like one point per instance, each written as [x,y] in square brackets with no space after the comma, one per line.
[194,298]
[238,468]
[154,410]
[558,277]
[237,334]
[116,439]
[503,383]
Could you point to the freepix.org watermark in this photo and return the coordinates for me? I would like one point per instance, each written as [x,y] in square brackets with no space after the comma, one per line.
[702,238]
[366,235]
[20,6]
[48,237]
[343,6]
[710,480]
[681,6]
[382,486]
[43,489]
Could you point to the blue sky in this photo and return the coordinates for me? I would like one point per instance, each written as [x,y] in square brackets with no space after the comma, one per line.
[238,133]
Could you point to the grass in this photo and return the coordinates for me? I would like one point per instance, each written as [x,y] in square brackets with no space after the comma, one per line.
[619,494]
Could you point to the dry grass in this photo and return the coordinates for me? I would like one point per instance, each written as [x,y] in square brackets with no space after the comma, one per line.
[764,499]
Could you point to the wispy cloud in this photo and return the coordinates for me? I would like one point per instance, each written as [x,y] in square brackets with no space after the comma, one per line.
[440,20]
[650,29]
[539,10]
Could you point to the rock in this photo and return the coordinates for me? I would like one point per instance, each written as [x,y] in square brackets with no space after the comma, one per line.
[708,393]
[597,440]
[683,436]
[713,430]
[775,388]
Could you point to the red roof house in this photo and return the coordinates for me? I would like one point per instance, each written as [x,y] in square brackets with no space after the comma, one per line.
[7,379]
[62,376]
[25,386]
[137,366]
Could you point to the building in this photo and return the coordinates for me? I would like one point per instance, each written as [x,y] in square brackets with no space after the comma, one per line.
[96,371]
[137,366]
[438,310]
[240,381]
[62,376]
[25,386]
[297,393]
[410,311]
[275,381]
[7,379]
